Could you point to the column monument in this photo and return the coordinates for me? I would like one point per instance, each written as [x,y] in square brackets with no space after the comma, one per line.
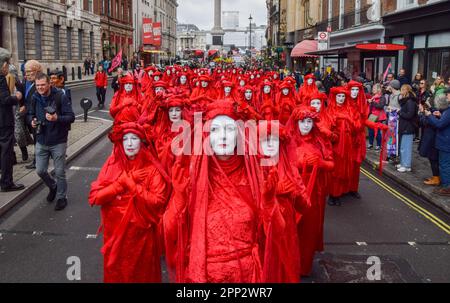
[217,32]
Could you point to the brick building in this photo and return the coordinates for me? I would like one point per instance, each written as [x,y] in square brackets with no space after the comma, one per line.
[60,35]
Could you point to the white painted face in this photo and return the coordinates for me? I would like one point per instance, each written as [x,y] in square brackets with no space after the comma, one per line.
[285,91]
[242,83]
[252,77]
[175,114]
[128,87]
[248,94]
[305,126]
[173,70]
[317,104]
[354,92]
[150,73]
[227,90]
[168,72]
[156,78]
[275,76]
[204,84]
[310,81]
[234,71]
[159,90]
[270,146]
[258,76]
[340,99]
[131,145]
[267,89]
[183,79]
[223,135]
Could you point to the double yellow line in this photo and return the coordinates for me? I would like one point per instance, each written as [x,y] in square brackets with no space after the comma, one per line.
[435,220]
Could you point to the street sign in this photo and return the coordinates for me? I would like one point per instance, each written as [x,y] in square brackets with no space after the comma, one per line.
[322,40]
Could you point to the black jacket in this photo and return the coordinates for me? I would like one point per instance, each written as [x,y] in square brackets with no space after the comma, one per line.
[408,120]
[6,105]
[428,140]
[53,133]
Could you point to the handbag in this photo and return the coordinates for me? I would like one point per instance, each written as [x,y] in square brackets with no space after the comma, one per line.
[373,118]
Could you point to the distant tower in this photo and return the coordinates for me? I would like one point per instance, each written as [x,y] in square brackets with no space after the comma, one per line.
[217,32]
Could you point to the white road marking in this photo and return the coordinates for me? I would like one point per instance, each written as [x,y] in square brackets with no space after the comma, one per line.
[412,243]
[91,236]
[81,115]
[98,118]
[84,168]
[361,243]
[37,233]
[104,111]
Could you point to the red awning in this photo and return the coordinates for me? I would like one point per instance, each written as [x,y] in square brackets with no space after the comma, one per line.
[304,47]
[381,46]
[198,52]
[212,52]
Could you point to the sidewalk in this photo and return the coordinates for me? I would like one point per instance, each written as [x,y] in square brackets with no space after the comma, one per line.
[412,180]
[85,81]
[82,135]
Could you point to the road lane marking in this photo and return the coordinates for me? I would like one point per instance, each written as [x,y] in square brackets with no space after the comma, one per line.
[435,220]
[97,118]
[81,115]
[91,236]
[361,243]
[78,168]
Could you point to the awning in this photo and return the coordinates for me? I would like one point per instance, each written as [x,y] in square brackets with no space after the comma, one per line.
[304,47]
[147,51]
[363,47]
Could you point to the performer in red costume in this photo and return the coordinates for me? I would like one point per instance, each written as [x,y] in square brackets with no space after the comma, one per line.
[286,101]
[266,97]
[132,194]
[290,199]
[204,95]
[314,160]
[307,89]
[126,105]
[344,123]
[215,222]
[227,90]
[183,83]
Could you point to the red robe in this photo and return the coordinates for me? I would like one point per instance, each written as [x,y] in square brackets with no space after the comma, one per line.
[130,219]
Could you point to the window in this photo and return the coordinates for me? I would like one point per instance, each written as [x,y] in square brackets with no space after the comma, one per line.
[69,43]
[80,44]
[38,39]
[122,13]
[117,15]
[21,38]
[330,11]
[56,28]
[405,4]
[357,12]
[341,14]
[91,6]
[91,43]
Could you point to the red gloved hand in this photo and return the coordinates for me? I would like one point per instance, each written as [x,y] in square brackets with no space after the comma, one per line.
[270,188]
[126,181]
[312,159]
[139,176]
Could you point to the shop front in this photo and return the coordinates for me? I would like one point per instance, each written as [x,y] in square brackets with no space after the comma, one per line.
[428,49]
[371,58]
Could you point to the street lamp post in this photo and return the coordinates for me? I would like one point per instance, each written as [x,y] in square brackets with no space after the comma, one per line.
[250,42]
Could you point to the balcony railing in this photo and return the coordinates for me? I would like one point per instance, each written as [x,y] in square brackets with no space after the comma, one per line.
[346,21]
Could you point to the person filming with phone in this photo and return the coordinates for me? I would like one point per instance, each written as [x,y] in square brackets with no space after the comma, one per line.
[51,115]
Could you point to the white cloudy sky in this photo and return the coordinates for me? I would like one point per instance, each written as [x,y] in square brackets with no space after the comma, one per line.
[201,12]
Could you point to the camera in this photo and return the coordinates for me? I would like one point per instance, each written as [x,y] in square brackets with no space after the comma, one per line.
[50,110]
[39,126]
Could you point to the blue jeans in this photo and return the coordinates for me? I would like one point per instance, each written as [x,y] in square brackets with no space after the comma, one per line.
[372,137]
[58,154]
[406,145]
[444,168]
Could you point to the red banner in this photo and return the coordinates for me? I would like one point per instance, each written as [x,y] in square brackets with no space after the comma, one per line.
[147,31]
[157,33]
[116,62]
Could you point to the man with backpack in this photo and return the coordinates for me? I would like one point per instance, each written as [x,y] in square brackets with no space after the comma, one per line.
[51,115]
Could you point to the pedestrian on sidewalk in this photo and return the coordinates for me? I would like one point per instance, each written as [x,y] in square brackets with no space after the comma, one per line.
[115,83]
[92,66]
[57,80]
[376,114]
[86,66]
[393,106]
[7,102]
[32,67]
[441,120]
[427,145]
[51,115]
[406,127]
[101,83]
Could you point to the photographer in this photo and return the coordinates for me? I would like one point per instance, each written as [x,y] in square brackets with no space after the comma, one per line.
[51,115]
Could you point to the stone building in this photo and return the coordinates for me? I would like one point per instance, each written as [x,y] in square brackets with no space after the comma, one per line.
[60,35]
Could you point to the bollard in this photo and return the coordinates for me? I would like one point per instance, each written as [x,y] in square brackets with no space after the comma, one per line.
[79,72]
[86,105]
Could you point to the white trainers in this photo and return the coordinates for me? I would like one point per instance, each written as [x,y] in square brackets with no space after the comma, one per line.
[403,169]
[398,166]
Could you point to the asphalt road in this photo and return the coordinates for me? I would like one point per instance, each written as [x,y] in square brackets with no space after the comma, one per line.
[36,241]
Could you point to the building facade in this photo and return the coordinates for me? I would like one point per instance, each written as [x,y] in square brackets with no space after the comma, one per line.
[189,38]
[60,35]
[141,9]
[116,27]
[166,13]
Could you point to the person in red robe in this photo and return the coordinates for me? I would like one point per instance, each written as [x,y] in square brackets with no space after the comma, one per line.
[216,219]
[286,101]
[204,95]
[344,123]
[132,194]
[290,200]
[307,89]
[183,83]
[314,160]
[127,103]
[266,101]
